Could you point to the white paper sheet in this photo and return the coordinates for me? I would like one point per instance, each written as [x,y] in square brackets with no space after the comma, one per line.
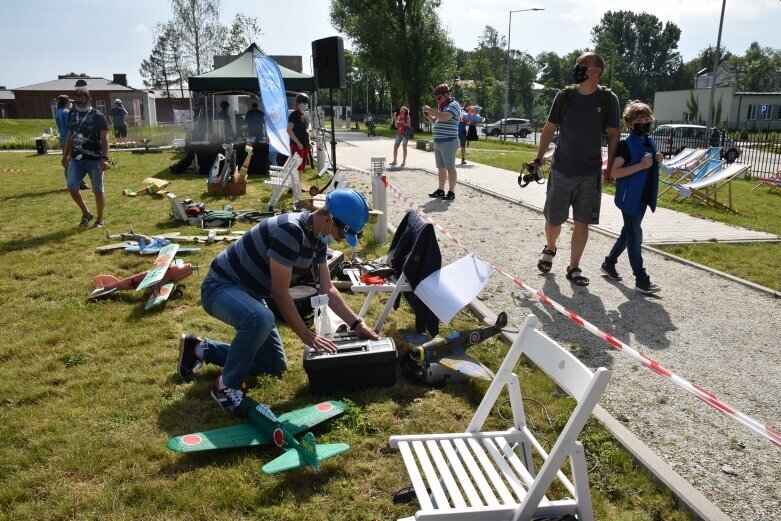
[448,290]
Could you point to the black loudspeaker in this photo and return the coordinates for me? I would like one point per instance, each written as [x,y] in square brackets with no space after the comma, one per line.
[328,58]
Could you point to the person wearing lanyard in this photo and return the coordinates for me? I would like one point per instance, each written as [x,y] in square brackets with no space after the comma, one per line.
[86,152]
[262,264]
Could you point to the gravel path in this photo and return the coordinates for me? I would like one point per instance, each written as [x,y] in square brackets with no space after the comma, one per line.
[709,330]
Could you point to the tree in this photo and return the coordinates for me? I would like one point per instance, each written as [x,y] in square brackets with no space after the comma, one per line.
[197,24]
[756,69]
[403,41]
[683,78]
[244,31]
[647,50]
[164,68]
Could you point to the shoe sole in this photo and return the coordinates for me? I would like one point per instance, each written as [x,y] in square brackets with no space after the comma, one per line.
[610,276]
[647,291]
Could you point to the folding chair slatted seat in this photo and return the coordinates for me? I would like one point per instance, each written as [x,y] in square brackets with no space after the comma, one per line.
[706,188]
[705,165]
[282,178]
[774,183]
[491,475]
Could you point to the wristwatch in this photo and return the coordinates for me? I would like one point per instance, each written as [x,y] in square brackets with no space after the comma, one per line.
[358,321]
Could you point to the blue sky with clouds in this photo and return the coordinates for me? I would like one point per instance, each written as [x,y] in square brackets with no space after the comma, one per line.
[43,38]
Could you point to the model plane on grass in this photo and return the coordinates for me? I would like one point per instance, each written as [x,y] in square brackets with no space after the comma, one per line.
[155,245]
[263,427]
[162,278]
[442,359]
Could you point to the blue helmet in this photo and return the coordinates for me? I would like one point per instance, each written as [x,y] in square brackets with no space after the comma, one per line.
[349,211]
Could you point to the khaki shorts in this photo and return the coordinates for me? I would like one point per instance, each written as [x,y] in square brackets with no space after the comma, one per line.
[582,193]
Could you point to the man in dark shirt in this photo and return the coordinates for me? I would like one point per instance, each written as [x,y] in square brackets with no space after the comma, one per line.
[255,120]
[86,152]
[297,129]
[118,113]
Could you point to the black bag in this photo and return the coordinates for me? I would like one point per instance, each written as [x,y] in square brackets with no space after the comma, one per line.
[471,133]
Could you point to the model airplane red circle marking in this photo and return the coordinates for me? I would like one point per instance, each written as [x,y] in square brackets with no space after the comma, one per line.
[324,407]
[191,439]
[279,438]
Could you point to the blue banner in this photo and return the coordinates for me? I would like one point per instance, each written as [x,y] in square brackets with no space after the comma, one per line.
[274,102]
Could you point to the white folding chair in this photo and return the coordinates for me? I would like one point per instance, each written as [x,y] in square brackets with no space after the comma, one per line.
[491,475]
[282,178]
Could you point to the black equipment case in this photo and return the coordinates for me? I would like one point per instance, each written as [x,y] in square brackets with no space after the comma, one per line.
[357,364]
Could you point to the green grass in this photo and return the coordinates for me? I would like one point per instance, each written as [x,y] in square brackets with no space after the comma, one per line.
[89,396]
[20,134]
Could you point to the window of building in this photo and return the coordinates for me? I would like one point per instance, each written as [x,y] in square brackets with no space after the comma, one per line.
[101,106]
[752,112]
[54,107]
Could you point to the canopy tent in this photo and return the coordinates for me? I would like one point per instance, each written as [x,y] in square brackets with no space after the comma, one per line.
[239,76]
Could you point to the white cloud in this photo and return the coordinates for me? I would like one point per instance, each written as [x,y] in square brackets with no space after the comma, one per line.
[141,28]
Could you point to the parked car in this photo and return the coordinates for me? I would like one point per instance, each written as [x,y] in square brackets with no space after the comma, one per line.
[673,138]
[514,126]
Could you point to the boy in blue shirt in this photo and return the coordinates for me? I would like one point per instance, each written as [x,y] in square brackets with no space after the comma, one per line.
[636,170]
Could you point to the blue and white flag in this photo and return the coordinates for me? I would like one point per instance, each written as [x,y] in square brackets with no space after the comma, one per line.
[274,102]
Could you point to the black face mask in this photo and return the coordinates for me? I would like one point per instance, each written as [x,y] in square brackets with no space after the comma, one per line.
[641,129]
[579,73]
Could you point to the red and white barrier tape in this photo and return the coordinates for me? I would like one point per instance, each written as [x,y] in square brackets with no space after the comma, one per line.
[763,430]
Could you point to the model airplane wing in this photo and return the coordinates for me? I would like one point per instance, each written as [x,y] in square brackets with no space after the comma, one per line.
[467,365]
[302,419]
[160,294]
[163,260]
[307,454]
[235,436]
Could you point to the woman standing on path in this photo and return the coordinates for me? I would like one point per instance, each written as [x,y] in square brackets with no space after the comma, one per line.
[403,127]
[445,133]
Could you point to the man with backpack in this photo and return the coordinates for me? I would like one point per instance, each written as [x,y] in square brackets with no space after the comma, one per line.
[582,112]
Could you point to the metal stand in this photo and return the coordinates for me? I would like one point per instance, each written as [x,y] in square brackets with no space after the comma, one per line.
[333,131]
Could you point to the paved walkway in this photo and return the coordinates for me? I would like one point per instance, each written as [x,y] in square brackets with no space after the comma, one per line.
[662,227]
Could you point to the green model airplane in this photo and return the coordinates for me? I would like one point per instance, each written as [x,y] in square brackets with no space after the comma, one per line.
[264,428]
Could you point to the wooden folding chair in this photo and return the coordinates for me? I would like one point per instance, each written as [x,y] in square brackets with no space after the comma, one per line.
[490,475]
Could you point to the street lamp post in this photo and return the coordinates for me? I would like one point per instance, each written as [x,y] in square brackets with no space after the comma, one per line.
[507,76]
[709,118]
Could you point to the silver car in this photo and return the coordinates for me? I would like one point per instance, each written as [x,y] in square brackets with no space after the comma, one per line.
[673,138]
[517,127]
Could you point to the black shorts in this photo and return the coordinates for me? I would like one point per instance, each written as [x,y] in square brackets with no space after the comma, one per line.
[120,130]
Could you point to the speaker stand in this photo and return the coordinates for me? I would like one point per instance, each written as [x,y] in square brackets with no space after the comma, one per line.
[333,130]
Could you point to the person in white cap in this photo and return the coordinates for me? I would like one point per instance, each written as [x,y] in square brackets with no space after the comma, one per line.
[262,264]
[118,113]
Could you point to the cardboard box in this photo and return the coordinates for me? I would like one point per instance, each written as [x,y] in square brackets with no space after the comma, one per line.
[230,188]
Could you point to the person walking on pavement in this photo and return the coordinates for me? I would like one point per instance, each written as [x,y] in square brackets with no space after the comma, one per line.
[462,130]
[403,123]
[444,120]
[86,152]
[262,264]
[636,171]
[581,112]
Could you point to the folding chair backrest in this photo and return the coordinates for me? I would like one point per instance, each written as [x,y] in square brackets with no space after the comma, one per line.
[284,178]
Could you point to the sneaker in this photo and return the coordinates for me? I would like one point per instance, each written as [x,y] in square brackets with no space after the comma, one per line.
[85,219]
[402,165]
[392,163]
[188,362]
[463,161]
[610,271]
[647,287]
[450,196]
[437,193]
[98,224]
[229,399]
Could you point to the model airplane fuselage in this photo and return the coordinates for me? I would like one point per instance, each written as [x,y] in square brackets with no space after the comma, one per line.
[263,427]
[442,359]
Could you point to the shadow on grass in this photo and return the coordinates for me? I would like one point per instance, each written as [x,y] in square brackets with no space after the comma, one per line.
[35,242]
[28,195]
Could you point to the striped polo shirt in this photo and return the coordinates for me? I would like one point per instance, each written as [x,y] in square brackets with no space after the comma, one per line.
[447,130]
[285,238]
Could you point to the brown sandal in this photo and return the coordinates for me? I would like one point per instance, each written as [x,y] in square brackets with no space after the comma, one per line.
[577,278]
[546,265]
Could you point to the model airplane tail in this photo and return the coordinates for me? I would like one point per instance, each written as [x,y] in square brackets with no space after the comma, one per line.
[304,454]
[104,285]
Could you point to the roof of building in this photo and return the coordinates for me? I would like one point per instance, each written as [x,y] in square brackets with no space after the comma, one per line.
[6,95]
[69,83]
[174,92]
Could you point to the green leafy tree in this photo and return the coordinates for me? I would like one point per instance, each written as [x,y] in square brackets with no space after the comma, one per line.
[164,68]
[683,78]
[647,50]
[243,32]
[755,71]
[197,24]
[693,106]
[403,41]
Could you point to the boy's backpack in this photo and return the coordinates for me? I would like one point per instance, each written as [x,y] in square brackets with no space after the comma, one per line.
[604,103]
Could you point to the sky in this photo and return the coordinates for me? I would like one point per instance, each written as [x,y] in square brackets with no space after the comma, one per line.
[44,38]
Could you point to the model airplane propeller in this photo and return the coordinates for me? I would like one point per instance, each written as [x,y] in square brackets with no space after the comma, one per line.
[263,427]
[161,278]
[443,359]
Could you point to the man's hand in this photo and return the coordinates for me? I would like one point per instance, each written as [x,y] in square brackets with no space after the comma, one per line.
[66,160]
[365,332]
[607,178]
[319,343]
[104,164]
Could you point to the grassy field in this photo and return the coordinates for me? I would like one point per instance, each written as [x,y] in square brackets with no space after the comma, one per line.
[20,134]
[90,395]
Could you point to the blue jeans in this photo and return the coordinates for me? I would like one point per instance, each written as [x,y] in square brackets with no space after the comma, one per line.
[79,168]
[256,348]
[631,240]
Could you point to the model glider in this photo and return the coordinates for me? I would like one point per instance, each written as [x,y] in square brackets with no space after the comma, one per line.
[162,278]
[155,245]
[442,359]
[263,427]
[152,186]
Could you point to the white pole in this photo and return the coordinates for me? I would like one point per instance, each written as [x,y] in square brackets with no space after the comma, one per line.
[380,199]
[709,118]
